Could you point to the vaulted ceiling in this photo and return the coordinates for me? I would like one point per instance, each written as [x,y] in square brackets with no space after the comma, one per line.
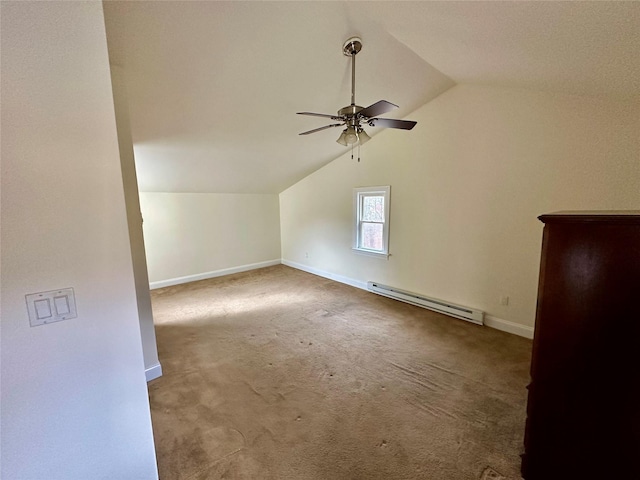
[213,87]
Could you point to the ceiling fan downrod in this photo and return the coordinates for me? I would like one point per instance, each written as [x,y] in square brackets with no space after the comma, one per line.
[351,48]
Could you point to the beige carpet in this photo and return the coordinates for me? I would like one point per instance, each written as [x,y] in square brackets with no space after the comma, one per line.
[279,374]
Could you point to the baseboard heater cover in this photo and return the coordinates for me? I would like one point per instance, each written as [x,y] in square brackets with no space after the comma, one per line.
[458,311]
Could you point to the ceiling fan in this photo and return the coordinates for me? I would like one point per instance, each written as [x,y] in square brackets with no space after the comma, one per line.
[353,116]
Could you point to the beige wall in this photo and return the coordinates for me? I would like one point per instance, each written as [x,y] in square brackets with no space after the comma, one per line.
[189,236]
[466,187]
[74,395]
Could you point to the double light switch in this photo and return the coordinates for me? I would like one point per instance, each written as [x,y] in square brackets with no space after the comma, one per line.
[52,306]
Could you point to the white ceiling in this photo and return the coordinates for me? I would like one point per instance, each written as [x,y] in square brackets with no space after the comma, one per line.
[213,87]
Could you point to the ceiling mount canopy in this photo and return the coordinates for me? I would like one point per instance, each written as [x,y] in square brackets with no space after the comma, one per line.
[352,46]
[353,116]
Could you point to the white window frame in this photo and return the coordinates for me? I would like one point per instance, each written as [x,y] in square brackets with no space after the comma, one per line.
[358,195]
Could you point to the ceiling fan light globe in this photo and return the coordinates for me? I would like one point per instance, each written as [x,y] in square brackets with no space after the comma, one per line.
[351,136]
[364,138]
[342,140]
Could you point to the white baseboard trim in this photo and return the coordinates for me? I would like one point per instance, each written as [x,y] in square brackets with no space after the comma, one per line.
[217,273]
[322,273]
[509,327]
[489,320]
[153,372]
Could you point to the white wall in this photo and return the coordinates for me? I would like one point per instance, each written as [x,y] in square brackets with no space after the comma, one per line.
[134,220]
[189,236]
[74,397]
[467,185]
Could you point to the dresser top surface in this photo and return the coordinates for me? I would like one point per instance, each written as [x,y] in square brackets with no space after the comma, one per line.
[592,216]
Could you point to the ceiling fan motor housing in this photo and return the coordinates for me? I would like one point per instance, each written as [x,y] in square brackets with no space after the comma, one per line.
[350,112]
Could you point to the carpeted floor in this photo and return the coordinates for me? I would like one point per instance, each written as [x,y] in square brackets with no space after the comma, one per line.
[279,374]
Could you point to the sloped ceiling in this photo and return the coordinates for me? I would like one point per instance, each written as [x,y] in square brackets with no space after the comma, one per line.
[213,87]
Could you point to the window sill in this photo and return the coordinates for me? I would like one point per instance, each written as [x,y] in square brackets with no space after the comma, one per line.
[370,253]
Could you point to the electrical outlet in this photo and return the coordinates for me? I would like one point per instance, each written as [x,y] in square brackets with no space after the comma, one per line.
[504,300]
[306,254]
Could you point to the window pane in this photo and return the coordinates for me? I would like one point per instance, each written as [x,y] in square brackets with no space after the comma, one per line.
[371,236]
[373,209]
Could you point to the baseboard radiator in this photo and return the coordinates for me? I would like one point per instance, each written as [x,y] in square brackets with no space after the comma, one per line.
[458,311]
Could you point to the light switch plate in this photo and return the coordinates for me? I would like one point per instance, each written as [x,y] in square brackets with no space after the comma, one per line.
[51,306]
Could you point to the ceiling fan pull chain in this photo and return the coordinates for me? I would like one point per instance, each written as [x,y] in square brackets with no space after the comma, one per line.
[358,152]
[352,151]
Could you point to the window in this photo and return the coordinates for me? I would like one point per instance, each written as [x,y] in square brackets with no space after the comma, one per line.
[371,208]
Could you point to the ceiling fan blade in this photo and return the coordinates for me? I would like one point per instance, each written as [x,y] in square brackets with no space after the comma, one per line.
[392,123]
[321,128]
[324,115]
[377,108]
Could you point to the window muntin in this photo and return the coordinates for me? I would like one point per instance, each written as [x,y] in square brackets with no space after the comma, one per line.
[372,220]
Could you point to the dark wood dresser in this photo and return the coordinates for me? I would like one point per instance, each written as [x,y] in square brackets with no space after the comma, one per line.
[583,411]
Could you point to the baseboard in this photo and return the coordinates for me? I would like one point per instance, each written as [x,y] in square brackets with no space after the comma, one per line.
[322,273]
[509,327]
[217,273]
[153,372]
[489,321]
